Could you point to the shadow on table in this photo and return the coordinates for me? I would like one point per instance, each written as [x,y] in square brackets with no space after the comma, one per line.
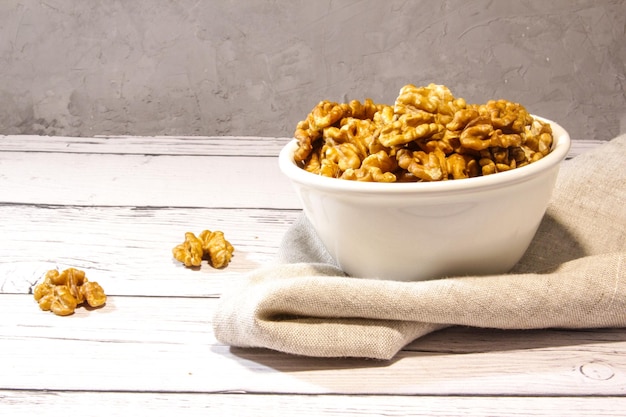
[463,340]
[450,341]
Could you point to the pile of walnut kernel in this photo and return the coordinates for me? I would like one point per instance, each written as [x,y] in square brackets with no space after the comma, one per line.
[209,245]
[427,135]
[62,292]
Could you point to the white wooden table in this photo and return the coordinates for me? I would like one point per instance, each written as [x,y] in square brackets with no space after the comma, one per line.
[115,206]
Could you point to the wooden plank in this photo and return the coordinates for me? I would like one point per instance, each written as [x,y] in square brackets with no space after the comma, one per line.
[581,146]
[147,145]
[167,345]
[112,404]
[144,180]
[176,145]
[112,173]
[128,250]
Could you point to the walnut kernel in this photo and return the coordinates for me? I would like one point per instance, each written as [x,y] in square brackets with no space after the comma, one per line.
[427,135]
[62,292]
[208,245]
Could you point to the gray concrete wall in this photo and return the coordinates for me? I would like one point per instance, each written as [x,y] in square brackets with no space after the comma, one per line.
[253,67]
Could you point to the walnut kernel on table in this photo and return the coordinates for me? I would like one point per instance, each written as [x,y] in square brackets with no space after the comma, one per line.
[208,245]
[62,292]
[427,135]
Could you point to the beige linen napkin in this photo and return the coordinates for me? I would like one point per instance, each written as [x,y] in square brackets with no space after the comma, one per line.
[572,276]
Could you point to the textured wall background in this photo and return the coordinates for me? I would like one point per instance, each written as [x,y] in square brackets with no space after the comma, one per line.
[188,67]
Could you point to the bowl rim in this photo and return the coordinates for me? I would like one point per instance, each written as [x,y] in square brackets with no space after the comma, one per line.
[560,149]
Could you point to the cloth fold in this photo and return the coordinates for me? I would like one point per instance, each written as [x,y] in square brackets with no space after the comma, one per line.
[572,276]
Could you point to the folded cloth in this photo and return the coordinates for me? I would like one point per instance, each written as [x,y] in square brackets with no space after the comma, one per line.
[572,276]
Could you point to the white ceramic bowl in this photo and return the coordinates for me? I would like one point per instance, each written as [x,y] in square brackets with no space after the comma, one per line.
[426,230]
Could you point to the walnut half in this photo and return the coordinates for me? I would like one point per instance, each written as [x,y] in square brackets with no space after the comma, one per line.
[63,292]
[208,245]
